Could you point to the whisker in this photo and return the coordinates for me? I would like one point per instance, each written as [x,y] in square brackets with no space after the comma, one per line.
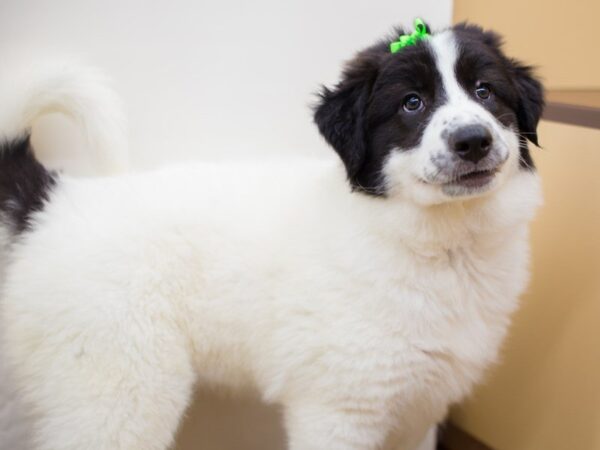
[503,115]
[369,190]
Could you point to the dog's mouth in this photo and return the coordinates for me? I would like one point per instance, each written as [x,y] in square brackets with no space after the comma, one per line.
[467,180]
[474,179]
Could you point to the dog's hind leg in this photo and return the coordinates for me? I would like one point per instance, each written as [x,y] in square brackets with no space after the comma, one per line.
[101,384]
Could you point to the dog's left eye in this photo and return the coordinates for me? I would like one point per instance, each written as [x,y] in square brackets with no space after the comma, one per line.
[412,103]
[483,91]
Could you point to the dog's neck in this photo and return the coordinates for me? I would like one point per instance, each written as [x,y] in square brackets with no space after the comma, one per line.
[490,219]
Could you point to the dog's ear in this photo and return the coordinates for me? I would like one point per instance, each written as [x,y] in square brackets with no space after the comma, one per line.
[531,100]
[340,113]
[530,92]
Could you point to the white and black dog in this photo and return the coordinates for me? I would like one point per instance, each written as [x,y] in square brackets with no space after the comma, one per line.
[364,299]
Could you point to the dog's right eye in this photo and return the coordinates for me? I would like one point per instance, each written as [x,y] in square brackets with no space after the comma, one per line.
[412,103]
[483,91]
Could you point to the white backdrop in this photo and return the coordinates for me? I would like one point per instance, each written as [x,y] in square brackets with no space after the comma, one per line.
[210,79]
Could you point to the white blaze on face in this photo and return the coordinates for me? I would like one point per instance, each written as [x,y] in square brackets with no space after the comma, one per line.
[420,173]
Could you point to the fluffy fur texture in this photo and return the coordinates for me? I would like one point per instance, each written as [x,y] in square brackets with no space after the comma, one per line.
[79,93]
[365,313]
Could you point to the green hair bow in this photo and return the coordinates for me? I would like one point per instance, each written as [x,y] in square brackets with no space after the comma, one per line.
[407,40]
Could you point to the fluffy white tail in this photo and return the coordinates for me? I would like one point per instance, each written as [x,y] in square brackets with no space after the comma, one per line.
[79,93]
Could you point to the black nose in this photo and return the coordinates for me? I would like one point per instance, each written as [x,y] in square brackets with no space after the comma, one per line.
[471,143]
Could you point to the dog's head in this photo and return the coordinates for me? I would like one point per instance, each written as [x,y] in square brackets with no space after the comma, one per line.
[447,118]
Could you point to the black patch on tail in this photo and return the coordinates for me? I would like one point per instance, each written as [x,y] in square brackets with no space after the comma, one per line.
[25,184]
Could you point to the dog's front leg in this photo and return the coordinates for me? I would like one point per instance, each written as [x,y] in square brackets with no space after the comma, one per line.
[313,426]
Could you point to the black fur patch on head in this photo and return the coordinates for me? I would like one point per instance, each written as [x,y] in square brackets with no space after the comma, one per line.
[25,184]
[362,117]
[518,95]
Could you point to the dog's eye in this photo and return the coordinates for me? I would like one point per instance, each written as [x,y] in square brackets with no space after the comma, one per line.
[483,91]
[412,103]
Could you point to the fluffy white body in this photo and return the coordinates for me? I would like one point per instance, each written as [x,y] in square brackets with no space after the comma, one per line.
[364,317]
[356,314]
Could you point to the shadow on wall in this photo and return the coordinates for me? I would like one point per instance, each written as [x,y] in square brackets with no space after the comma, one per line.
[226,421]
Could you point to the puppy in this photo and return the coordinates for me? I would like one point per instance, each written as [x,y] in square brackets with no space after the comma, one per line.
[364,298]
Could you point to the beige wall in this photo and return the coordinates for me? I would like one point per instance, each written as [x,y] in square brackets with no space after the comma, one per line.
[561,37]
[545,395]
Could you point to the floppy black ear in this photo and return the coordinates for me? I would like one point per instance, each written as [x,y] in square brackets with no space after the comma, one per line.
[531,100]
[340,113]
